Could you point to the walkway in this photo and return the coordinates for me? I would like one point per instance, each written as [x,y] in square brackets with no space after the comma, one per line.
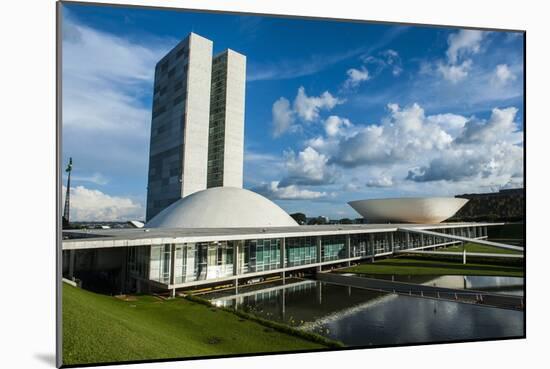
[461,238]
[481,298]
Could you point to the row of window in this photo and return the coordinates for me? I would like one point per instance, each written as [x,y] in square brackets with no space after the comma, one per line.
[216,259]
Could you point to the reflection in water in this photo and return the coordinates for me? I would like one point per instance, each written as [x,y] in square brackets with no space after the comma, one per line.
[504,285]
[362,317]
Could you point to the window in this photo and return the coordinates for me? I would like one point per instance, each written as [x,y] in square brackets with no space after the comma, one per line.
[182,52]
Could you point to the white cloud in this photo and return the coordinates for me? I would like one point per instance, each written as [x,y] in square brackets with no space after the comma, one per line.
[461,45]
[106,87]
[393,60]
[104,77]
[455,72]
[486,151]
[383,181]
[502,75]
[352,186]
[450,123]
[464,42]
[408,144]
[356,77]
[96,178]
[495,165]
[386,59]
[261,167]
[272,190]
[94,205]
[501,126]
[405,135]
[308,107]
[305,107]
[293,68]
[308,168]
[334,125]
[283,117]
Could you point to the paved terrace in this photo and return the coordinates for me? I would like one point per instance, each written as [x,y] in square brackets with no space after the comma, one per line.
[125,237]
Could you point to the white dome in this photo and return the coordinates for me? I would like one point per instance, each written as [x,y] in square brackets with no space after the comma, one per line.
[222,207]
[426,210]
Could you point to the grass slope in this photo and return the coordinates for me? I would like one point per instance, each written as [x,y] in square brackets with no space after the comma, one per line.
[425,266]
[98,328]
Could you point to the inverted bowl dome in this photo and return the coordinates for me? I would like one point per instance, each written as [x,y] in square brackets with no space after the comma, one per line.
[426,210]
[222,207]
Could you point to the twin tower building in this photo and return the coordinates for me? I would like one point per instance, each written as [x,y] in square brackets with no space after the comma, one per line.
[197,128]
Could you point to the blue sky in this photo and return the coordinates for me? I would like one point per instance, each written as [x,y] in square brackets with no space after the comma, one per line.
[334,111]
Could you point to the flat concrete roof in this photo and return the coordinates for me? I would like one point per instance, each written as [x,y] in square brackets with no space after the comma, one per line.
[124,237]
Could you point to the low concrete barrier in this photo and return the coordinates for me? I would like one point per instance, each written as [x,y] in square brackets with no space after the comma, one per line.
[68,281]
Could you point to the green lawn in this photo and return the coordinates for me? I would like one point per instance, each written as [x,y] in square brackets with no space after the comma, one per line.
[99,328]
[472,247]
[425,266]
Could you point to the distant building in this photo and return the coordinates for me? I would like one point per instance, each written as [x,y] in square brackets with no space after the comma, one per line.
[505,205]
[197,126]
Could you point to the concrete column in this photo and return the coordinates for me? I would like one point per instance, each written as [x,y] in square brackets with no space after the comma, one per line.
[283,253]
[391,242]
[283,304]
[463,255]
[371,241]
[282,261]
[124,276]
[236,264]
[348,249]
[236,257]
[173,268]
[319,245]
[421,239]
[408,239]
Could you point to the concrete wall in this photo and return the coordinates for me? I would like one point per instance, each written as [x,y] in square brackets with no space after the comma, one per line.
[197,117]
[234,120]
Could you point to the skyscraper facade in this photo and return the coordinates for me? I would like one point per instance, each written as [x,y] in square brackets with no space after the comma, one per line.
[197,114]
[226,136]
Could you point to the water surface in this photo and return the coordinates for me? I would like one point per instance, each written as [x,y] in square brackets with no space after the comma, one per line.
[359,317]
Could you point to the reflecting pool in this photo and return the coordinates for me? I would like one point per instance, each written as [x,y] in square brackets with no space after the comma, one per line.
[360,317]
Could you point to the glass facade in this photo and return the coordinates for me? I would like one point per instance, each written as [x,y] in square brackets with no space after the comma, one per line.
[300,251]
[216,136]
[359,244]
[333,247]
[381,243]
[261,255]
[159,266]
[211,260]
[138,261]
[167,129]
